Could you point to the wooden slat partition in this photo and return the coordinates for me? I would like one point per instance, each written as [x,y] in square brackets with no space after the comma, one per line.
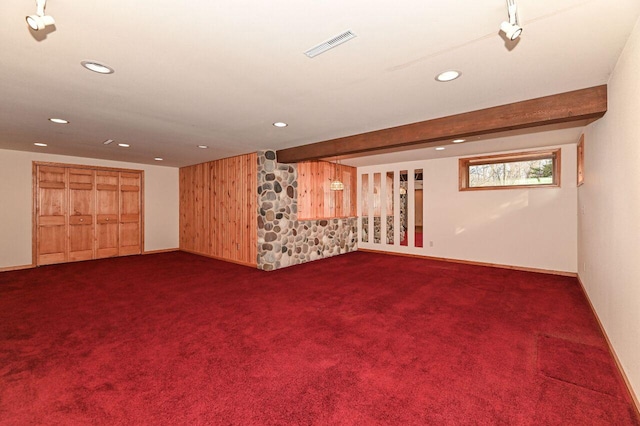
[218,209]
[316,200]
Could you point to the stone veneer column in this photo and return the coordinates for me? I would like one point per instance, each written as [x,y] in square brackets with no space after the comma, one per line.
[282,239]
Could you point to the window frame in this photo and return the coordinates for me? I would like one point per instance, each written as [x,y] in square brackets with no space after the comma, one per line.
[514,157]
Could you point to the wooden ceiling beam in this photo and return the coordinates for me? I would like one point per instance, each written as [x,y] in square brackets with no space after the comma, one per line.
[576,106]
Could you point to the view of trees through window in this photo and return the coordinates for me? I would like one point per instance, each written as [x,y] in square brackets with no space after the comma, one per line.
[536,172]
[503,171]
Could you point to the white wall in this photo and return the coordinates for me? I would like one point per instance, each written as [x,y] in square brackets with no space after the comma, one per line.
[529,227]
[609,226]
[161,212]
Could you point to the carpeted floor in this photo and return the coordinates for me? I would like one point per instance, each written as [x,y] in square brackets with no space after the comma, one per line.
[358,339]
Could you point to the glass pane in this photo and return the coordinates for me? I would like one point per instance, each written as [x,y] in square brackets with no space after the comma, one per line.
[534,172]
[377,179]
[390,201]
[364,192]
[418,207]
[403,207]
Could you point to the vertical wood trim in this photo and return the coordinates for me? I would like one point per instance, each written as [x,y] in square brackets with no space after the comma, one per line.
[34,212]
[94,216]
[580,161]
[119,211]
[557,168]
[141,212]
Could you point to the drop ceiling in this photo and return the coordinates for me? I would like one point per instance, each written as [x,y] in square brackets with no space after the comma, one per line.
[220,73]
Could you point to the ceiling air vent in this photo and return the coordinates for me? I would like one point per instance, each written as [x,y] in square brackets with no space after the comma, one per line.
[330,44]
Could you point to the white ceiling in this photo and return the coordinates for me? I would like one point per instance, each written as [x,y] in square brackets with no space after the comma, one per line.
[220,73]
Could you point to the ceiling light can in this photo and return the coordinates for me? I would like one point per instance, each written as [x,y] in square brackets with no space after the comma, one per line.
[449,75]
[97,67]
[280,124]
[458,140]
[59,120]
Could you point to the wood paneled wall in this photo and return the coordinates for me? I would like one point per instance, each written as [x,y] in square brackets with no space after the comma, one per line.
[218,208]
[316,200]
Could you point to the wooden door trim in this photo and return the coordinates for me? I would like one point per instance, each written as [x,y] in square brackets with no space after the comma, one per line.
[87,166]
[141,209]
[34,212]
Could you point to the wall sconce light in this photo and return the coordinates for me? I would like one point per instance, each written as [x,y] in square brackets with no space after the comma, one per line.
[39,21]
[511,29]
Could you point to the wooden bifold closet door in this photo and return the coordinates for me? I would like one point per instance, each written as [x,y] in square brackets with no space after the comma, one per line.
[84,213]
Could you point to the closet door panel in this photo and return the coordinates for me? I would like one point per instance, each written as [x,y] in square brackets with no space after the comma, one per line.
[81,214]
[52,245]
[130,230]
[51,215]
[107,212]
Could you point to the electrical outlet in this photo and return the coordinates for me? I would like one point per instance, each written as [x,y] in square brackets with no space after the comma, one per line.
[430,243]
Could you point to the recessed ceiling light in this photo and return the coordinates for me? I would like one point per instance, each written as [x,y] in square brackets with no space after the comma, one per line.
[107,142]
[40,144]
[440,148]
[448,75]
[97,67]
[59,120]
[203,146]
[280,124]
[158,159]
[124,145]
[458,140]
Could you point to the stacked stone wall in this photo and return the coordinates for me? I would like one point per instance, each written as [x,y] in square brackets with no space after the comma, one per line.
[283,240]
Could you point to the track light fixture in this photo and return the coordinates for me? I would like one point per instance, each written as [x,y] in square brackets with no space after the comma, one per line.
[511,29]
[39,21]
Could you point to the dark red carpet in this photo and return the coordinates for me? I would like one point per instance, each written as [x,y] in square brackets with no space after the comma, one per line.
[358,339]
[417,240]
